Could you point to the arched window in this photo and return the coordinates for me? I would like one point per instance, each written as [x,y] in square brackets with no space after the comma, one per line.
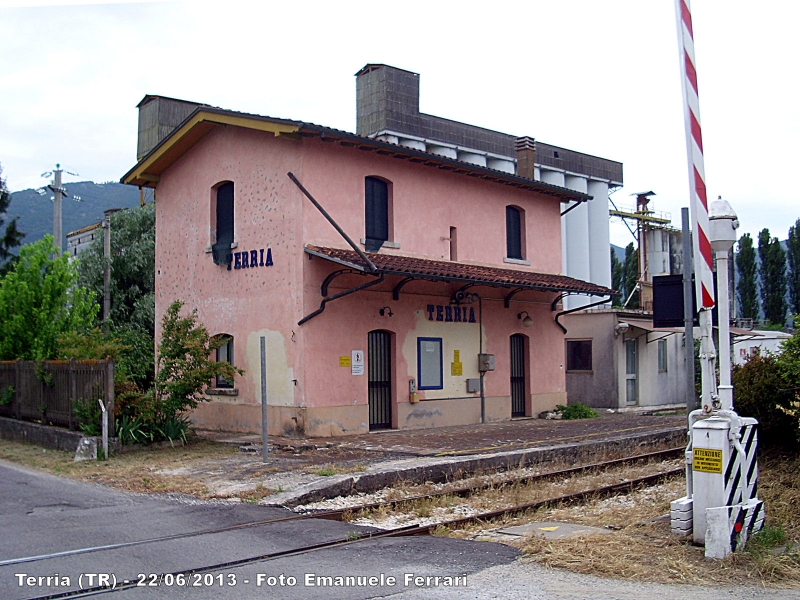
[225,354]
[376,213]
[222,213]
[515,233]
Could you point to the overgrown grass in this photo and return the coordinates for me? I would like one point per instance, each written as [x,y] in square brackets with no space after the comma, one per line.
[258,493]
[330,469]
[644,549]
[136,471]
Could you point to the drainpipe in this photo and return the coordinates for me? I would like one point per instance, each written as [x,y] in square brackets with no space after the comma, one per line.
[480,346]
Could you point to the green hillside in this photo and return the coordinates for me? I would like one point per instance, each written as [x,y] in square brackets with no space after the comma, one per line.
[35,212]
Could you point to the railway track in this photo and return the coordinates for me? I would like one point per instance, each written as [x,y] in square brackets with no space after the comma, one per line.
[355,538]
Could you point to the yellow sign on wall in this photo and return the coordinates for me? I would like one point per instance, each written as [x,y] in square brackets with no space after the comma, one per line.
[707,460]
[456,367]
[344,361]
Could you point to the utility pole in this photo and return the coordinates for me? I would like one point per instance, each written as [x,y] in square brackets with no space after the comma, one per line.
[107,267]
[58,194]
[688,313]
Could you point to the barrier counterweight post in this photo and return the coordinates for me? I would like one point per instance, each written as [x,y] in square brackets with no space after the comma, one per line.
[720,509]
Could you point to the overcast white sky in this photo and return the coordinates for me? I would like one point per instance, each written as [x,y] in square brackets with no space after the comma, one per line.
[596,76]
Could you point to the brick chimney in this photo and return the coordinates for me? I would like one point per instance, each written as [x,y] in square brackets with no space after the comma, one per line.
[526,153]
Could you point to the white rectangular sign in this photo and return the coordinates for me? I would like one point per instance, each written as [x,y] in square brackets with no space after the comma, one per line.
[357,362]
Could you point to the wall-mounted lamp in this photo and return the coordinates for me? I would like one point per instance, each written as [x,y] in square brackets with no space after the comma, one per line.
[526,320]
[621,327]
[386,312]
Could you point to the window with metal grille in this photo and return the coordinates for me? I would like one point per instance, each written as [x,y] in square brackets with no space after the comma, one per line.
[662,356]
[223,225]
[225,354]
[514,233]
[579,355]
[376,213]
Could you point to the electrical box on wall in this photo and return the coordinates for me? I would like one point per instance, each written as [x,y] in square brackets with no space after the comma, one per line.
[473,385]
[485,362]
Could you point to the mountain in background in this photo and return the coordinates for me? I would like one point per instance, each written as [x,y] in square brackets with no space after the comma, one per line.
[35,212]
[619,252]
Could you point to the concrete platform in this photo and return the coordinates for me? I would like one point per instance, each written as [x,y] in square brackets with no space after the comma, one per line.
[448,453]
[471,439]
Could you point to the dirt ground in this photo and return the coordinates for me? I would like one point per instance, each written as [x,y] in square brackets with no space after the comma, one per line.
[204,469]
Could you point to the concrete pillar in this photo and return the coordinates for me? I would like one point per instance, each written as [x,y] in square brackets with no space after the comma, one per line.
[557,178]
[599,237]
[576,222]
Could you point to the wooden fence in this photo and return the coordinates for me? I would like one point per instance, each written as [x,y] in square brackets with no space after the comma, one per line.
[46,391]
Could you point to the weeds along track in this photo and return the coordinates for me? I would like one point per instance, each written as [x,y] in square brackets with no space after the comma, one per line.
[408,530]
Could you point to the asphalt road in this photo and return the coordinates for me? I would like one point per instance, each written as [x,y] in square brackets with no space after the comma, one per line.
[43,515]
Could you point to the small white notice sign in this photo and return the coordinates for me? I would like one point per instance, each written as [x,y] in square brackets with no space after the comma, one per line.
[357,362]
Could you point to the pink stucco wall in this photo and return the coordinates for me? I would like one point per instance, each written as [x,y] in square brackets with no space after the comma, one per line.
[428,201]
[270,212]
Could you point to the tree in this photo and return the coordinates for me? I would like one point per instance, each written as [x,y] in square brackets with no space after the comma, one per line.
[631,274]
[793,253]
[184,366]
[747,287]
[40,301]
[132,315]
[772,273]
[133,243]
[617,277]
[11,237]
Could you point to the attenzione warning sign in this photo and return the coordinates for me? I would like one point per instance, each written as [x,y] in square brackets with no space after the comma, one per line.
[707,460]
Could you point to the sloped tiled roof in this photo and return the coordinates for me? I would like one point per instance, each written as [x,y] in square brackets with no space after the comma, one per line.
[439,270]
[202,120]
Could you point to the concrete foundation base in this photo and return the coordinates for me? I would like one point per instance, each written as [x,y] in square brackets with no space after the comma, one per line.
[328,421]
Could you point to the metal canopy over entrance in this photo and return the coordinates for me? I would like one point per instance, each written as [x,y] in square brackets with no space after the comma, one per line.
[411,269]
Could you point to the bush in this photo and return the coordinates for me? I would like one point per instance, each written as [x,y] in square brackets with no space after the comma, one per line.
[184,366]
[760,391]
[89,416]
[7,396]
[184,370]
[576,411]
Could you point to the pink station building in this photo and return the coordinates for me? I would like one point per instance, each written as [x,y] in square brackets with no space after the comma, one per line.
[423,289]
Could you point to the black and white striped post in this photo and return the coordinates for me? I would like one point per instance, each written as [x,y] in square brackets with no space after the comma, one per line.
[721,508]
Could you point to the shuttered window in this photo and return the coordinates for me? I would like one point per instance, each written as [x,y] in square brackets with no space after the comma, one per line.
[376,213]
[221,250]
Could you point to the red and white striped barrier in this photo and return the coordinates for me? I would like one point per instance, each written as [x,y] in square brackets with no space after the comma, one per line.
[703,262]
